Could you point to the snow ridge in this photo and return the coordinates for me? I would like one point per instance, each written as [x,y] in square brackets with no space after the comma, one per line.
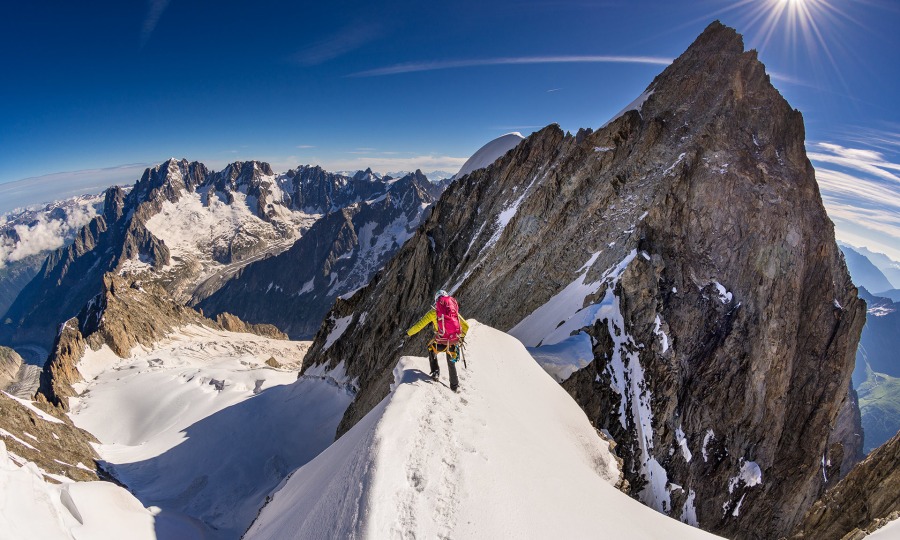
[429,463]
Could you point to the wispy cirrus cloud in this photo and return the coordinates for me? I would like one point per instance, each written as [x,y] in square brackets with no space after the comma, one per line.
[413,67]
[863,160]
[155,9]
[338,44]
[861,192]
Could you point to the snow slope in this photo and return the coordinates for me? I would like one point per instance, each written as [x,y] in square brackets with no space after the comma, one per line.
[33,508]
[489,153]
[202,428]
[509,456]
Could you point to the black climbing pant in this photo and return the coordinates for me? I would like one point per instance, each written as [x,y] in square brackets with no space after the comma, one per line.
[451,367]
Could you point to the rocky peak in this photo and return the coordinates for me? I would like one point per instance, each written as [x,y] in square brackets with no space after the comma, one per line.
[242,174]
[685,245]
[167,181]
[365,175]
[113,204]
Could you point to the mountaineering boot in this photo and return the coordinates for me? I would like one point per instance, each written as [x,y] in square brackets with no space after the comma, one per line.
[432,361]
[454,379]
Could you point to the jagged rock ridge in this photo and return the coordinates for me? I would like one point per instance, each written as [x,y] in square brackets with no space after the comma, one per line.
[865,500]
[685,243]
[188,230]
[339,254]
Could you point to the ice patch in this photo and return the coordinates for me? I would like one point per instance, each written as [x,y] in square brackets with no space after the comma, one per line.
[750,475]
[689,511]
[563,315]
[724,295]
[340,326]
[663,338]
[672,166]
[706,438]
[682,442]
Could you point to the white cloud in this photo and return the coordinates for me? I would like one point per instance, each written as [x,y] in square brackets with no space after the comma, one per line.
[44,234]
[861,194]
[412,67]
[863,160]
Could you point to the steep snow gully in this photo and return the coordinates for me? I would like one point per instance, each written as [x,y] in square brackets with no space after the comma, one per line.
[509,456]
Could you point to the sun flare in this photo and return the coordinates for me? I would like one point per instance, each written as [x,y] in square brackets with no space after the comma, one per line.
[796,28]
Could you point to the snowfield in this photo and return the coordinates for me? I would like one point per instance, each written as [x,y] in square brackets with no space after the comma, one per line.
[30,507]
[202,428]
[204,433]
[509,456]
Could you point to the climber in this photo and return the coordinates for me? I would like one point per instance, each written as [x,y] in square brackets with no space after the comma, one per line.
[449,330]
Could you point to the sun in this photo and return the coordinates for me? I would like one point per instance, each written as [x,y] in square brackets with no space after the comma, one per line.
[796,28]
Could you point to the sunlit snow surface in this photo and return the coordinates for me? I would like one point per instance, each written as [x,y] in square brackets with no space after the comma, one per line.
[891,531]
[199,425]
[30,507]
[509,456]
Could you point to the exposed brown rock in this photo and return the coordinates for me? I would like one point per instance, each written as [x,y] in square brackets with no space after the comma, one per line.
[10,362]
[865,500]
[126,314]
[48,443]
[234,324]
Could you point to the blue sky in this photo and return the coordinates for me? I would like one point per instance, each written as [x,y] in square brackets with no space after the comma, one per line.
[405,85]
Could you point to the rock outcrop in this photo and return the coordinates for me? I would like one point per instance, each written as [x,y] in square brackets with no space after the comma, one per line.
[685,245]
[10,362]
[338,255]
[233,324]
[862,502]
[126,314]
[50,441]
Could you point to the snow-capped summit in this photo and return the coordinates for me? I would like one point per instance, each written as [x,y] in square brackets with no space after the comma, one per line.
[489,153]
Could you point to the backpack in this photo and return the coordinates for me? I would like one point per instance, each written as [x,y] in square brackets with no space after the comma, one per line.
[447,311]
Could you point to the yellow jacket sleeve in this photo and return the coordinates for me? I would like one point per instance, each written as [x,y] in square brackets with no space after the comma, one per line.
[430,317]
[463,325]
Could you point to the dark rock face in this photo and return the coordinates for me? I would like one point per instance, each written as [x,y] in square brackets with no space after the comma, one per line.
[14,277]
[687,243]
[337,255]
[866,499]
[317,191]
